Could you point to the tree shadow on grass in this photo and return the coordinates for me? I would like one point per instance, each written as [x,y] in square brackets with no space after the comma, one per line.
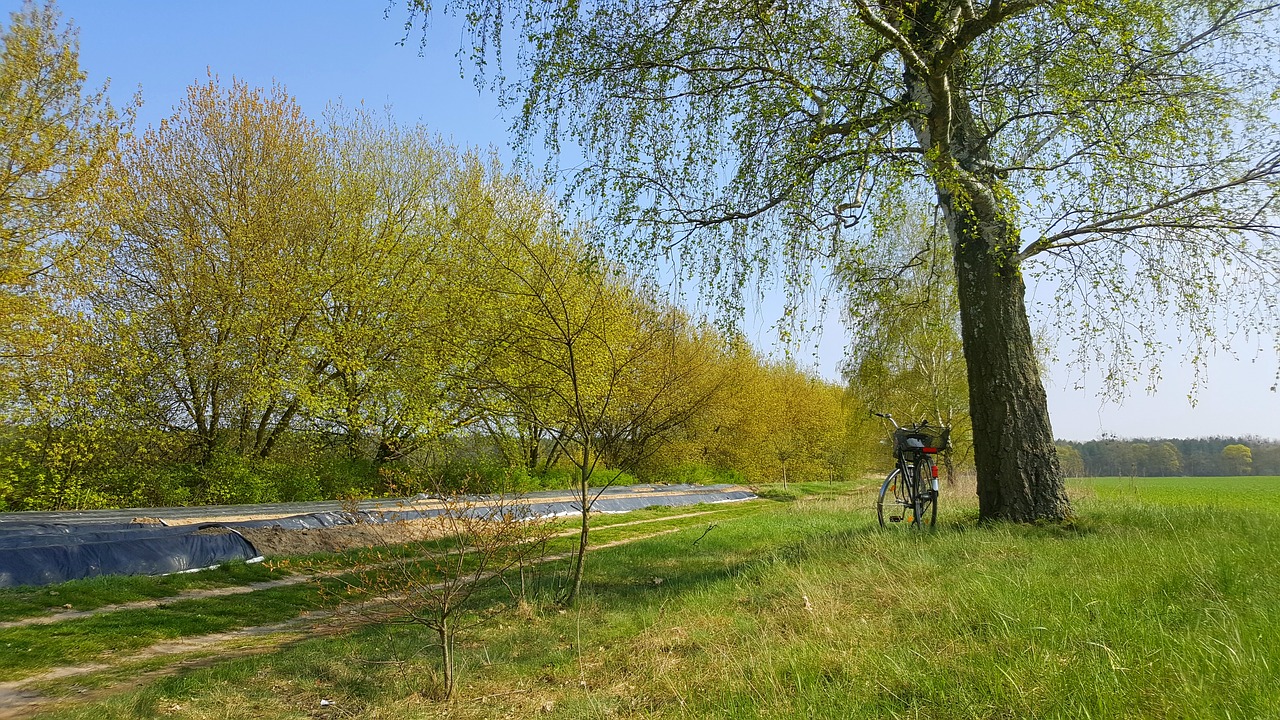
[640,574]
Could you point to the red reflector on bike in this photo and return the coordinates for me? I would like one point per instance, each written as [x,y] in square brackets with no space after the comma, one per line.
[929,451]
[935,470]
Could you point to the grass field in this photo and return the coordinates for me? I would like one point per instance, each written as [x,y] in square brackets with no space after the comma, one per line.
[1159,601]
[1259,493]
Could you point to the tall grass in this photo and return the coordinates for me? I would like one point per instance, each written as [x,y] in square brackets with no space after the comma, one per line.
[1143,608]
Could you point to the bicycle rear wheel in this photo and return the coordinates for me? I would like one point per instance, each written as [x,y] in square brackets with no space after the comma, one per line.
[926,505]
[908,499]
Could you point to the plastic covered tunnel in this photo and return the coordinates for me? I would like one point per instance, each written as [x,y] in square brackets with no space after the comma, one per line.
[46,548]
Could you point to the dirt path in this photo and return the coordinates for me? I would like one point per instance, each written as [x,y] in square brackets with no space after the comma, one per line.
[253,587]
[157,602]
[18,698]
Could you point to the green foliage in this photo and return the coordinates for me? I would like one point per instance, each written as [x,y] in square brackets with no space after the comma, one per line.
[228,479]
[343,477]
[1238,459]
[774,423]
[292,483]
[262,307]
[779,493]
[906,358]
[56,135]
[213,270]
[695,474]
[1071,461]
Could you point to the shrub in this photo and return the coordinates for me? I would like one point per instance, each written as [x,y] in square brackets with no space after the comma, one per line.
[229,479]
[697,474]
[779,493]
[162,486]
[342,478]
[290,482]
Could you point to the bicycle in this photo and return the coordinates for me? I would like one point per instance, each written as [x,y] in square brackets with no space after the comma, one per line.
[910,492]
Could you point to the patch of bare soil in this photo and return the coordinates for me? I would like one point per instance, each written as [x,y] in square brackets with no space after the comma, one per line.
[278,541]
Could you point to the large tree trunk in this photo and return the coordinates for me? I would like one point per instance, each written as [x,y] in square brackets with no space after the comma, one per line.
[1018,474]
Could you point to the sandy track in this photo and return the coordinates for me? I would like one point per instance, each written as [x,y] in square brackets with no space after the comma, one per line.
[19,699]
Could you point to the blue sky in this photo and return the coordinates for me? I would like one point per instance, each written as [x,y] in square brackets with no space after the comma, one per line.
[325,50]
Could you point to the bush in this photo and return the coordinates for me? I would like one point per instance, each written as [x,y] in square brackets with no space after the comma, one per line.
[162,486]
[290,482]
[779,493]
[62,471]
[696,474]
[346,478]
[49,488]
[229,479]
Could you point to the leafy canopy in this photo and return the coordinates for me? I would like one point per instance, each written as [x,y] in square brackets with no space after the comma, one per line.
[1133,142]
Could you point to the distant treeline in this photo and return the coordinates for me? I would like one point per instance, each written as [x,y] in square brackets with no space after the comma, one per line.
[1213,456]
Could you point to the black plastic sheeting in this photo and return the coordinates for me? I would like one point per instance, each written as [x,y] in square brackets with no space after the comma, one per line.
[43,553]
[310,521]
[54,556]
[21,529]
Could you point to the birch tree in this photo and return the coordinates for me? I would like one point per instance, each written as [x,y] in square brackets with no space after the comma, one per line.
[1126,150]
[906,357]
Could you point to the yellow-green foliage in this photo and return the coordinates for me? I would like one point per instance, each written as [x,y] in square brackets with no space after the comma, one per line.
[242,303]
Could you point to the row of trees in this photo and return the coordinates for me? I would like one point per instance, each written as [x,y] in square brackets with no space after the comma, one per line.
[1173,457]
[242,303]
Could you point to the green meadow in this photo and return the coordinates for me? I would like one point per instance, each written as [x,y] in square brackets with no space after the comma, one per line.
[1158,601]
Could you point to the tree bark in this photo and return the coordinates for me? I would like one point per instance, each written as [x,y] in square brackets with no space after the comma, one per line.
[446,632]
[1019,478]
[1018,474]
[580,562]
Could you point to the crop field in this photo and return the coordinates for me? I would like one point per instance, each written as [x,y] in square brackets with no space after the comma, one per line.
[1248,493]
[1159,601]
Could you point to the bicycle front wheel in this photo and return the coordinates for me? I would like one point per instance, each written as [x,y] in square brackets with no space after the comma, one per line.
[892,505]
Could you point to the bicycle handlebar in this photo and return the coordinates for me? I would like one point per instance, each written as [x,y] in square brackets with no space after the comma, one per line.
[896,426]
[920,425]
[886,416]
